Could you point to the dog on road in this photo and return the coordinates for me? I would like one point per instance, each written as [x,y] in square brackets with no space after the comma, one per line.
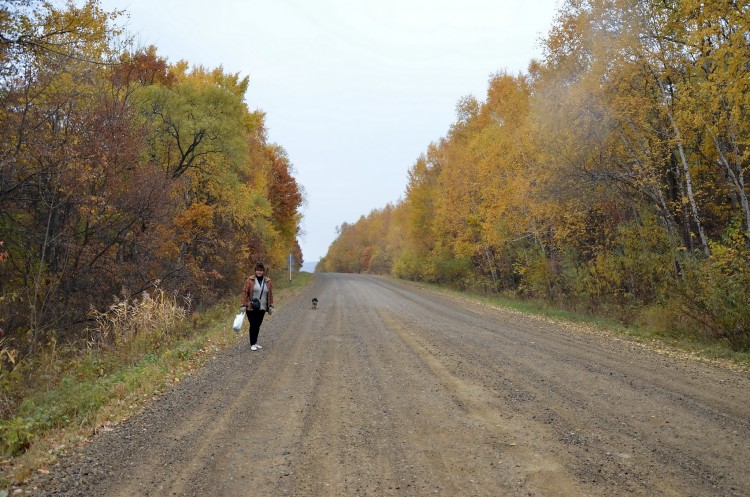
[314,303]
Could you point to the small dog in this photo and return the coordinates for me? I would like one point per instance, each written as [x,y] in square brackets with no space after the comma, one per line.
[315,303]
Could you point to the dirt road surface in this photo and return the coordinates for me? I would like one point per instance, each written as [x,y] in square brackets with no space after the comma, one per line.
[388,390]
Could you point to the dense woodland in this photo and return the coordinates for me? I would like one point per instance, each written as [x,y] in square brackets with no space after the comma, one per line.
[121,173]
[611,178]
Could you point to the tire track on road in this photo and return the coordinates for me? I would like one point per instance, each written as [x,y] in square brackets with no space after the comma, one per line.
[542,471]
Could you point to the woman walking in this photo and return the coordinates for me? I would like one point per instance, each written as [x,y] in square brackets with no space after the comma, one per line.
[257,299]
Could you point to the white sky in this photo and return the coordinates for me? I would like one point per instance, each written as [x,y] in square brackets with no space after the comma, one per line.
[354,90]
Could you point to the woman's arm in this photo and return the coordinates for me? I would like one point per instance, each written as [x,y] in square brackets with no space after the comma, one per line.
[245,291]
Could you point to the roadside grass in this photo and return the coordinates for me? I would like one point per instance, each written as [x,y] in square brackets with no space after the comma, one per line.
[649,331]
[67,394]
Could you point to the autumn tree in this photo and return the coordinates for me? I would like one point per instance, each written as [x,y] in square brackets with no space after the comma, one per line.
[367,246]
[286,199]
[55,171]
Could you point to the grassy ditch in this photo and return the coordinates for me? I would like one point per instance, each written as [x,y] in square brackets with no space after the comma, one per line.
[64,394]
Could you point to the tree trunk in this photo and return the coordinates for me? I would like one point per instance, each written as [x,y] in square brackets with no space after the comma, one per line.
[688,176]
[738,182]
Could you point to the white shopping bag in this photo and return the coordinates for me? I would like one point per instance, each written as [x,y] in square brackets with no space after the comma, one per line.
[239,319]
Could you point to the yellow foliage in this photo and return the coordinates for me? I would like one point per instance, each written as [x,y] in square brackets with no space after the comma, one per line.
[196,218]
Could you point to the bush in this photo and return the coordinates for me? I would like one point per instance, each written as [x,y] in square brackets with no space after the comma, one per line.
[715,291]
[456,271]
[408,266]
[537,275]
[16,435]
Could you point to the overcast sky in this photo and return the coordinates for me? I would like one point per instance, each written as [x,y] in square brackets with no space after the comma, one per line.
[354,90]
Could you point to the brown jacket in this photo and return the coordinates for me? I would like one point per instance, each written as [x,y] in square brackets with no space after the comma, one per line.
[247,292]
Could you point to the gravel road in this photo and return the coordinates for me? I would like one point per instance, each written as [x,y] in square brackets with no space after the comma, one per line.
[386,389]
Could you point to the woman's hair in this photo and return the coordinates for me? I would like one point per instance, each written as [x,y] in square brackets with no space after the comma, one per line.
[260,266]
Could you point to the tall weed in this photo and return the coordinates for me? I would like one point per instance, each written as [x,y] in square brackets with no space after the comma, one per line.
[149,321]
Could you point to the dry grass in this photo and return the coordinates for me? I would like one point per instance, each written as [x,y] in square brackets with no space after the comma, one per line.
[152,319]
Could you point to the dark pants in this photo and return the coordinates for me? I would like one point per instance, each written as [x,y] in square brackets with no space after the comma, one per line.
[255,318]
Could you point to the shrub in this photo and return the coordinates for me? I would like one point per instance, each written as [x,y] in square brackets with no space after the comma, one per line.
[16,435]
[714,291]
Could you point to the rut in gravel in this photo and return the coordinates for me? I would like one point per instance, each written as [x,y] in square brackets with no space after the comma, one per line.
[386,389]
